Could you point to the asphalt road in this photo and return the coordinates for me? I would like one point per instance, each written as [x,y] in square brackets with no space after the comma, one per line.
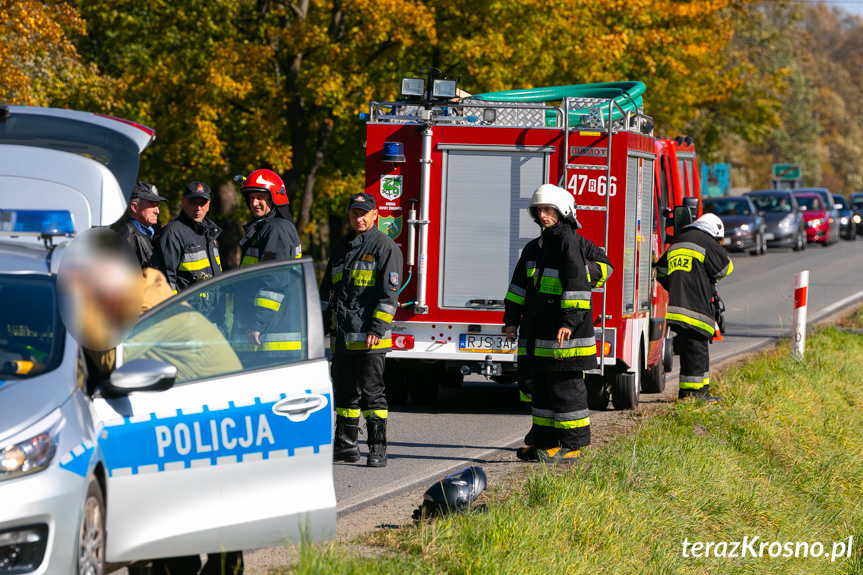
[482,417]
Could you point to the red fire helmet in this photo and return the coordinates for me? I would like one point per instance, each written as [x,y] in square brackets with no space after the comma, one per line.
[264,180]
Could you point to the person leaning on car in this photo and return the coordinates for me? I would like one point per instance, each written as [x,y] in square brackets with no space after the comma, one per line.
[142,229]
[359,295]
[189,244]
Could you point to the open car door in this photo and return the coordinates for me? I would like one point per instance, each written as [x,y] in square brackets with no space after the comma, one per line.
[237,454]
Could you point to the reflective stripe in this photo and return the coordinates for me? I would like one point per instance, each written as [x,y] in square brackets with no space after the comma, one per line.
[194,261]
[579,347]
[693,381]
[572,419]
[383,316]
[361,336]
[519,291]
[248,261]
[269,299]
[697,320]
[336,273]
[375,413]
[606,271]
[726,271]
[531,268]
[267,303]
[575,300]
[516,299]
[689,247]
[361,345]
[298,252]
[524,397]
[347,412]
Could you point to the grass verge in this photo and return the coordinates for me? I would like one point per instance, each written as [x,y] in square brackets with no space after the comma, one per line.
[780,459]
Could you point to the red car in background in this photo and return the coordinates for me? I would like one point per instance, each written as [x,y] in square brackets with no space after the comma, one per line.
[816,218]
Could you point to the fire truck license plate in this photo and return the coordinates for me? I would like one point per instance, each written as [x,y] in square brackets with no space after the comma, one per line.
[486,343]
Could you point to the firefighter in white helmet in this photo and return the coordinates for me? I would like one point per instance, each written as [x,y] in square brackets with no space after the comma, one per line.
[549,304]
[689,270]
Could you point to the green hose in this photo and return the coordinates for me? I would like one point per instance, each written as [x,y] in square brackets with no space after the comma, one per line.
[626,94]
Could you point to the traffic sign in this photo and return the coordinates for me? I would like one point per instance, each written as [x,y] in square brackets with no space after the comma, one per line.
[786,171]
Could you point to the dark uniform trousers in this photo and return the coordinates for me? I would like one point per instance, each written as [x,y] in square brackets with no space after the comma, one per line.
[694,362]
[358,385]
[560,413]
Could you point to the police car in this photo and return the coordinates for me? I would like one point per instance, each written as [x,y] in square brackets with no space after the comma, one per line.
[170,456]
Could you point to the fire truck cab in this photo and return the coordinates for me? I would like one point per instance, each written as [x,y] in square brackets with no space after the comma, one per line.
[453,179]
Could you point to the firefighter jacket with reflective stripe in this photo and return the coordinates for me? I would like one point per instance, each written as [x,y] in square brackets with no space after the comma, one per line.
[190,251]
[359,292]
[143,247]
[271,238]
[549,290]
[690,267]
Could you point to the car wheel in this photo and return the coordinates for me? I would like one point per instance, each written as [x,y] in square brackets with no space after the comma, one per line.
[626,387]
[91,535]
[757,249]
[763,244]
[668,352]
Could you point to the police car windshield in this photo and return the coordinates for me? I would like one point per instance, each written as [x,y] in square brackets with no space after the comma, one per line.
[31,341]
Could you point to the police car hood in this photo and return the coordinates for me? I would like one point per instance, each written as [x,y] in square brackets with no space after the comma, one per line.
[25,402]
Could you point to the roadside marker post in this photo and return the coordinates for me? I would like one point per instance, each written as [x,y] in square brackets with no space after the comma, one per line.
[801,294]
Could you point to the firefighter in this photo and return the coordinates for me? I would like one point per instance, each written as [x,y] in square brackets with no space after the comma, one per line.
[549,301]
[270,236]
[689,270]
[359,295]
[189,244]
[142,227]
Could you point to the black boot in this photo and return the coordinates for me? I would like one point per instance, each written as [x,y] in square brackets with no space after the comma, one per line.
[345,446]
[377,442]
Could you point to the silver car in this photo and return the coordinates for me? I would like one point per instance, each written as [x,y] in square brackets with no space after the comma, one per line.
[173,455]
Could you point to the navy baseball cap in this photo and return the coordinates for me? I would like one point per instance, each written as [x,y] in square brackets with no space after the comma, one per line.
[362,201]
[197,190]
[145,191]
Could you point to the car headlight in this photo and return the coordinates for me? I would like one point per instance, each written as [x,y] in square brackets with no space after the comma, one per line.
[34,451]
[843,220]
[857,219]
[813,223]
[786,222]
[745,228]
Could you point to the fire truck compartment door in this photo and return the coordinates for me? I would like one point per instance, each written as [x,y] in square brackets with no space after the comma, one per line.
[486,223]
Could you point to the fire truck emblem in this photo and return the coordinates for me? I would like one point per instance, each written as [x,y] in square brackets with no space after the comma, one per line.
[391,187]
[390,225]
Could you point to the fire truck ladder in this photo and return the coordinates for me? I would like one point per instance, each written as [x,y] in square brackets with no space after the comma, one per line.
[609,114]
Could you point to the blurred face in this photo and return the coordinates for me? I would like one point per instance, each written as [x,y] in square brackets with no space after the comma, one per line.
[259,203]
[195,208]
[144,212]
[548,217]
[361,220]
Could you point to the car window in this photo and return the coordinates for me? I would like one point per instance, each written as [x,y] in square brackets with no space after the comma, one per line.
[207,333]
[727,207]
[31,334]
[840,202]
[772,203]
[810,202]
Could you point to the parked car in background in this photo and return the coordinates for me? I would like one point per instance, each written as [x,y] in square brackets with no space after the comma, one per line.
[850,222]
[785,226]
[745,229]
[855,200]
[819,228]
[830,207]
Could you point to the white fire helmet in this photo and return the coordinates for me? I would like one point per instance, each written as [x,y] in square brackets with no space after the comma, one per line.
[557,198]
[711,224]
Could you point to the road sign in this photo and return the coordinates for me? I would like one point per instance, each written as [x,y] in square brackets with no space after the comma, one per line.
[786,171]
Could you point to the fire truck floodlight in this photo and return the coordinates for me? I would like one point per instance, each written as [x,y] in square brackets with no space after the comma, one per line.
[443,88]
[413,87]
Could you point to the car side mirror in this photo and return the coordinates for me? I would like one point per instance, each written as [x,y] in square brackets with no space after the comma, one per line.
[141,375]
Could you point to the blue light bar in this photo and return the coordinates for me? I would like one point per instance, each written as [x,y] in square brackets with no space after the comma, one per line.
[39,222]
[394,152]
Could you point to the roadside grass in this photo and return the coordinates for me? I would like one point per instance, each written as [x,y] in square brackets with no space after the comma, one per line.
[781,459]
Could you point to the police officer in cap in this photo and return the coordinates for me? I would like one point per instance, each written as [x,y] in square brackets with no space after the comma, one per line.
[141,230]
[189,244]
[359,296]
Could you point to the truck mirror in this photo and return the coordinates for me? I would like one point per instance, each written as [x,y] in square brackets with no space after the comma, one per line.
[692,204]
[682,218]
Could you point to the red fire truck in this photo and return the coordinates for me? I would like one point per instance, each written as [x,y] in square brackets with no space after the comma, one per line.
[453,179]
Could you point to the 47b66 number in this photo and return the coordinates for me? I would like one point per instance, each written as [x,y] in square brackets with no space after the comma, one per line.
[581,183]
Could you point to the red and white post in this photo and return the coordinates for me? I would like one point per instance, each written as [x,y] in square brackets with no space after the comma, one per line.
[801,294]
